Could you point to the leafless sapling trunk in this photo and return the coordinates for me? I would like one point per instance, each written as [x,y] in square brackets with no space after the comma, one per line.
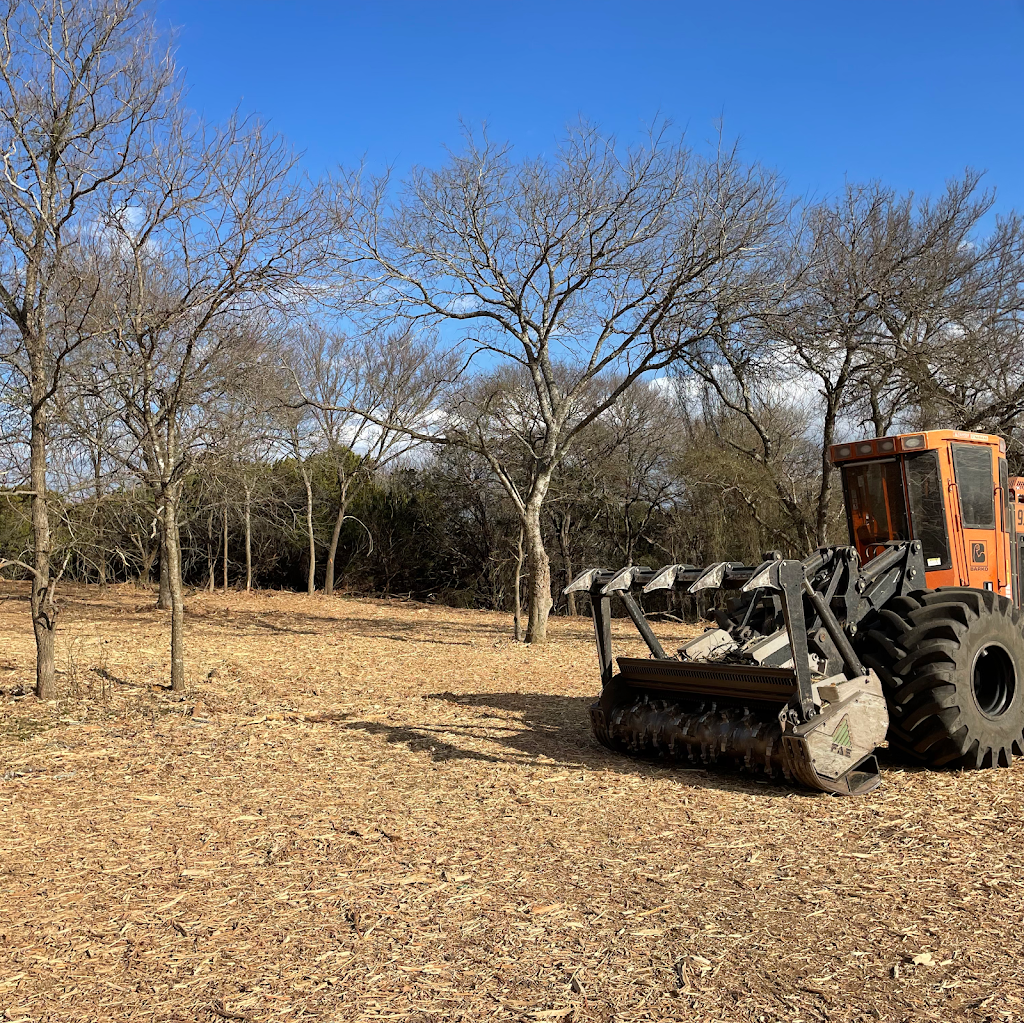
[170,517]
[564,520]
[517,594]
[298,427]
[248,538]
[211,580]
[101,539]
[344,481]
[224,527]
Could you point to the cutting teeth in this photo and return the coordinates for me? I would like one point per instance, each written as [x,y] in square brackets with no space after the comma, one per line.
[705,733]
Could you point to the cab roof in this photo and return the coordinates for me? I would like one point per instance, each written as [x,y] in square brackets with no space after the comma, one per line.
[926,440]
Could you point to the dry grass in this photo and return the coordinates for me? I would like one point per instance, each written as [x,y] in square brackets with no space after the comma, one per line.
[370,810]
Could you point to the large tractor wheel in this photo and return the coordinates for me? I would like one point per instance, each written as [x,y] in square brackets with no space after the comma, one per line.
[951,663]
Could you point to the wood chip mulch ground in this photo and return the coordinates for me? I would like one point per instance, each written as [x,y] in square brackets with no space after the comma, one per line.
[380,810]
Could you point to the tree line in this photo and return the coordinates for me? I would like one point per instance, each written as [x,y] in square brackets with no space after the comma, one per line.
[468,384]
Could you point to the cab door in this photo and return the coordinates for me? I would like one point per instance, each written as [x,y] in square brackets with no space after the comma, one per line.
[975,472]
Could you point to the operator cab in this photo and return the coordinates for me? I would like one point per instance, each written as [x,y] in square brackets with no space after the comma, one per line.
[947,488]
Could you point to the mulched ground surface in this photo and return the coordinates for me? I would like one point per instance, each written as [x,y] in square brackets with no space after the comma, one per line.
[372,810]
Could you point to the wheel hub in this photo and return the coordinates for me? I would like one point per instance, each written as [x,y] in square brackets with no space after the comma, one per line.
[994,680]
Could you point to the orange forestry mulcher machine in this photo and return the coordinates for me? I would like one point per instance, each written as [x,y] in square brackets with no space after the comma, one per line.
[913,632]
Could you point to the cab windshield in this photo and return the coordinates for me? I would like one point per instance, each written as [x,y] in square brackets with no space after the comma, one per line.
[877,503]
[881,510]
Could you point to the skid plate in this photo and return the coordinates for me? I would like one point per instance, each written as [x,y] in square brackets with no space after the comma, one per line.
[711,678]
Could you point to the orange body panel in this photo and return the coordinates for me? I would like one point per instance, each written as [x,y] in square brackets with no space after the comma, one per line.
[937,486]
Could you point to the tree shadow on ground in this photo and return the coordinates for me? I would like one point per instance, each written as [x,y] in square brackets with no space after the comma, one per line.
[274,627]
[553,729]
[109,676]
[429,631]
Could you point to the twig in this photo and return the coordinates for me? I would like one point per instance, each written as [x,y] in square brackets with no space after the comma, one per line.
[218,1009]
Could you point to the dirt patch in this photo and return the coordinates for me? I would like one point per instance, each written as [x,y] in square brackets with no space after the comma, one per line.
[371,810]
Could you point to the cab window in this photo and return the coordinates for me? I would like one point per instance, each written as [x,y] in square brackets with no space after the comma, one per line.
[1004,484]
[877,506]
[927,510]
[973,466]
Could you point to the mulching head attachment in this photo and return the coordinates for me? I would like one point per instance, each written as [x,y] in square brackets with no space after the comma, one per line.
[777,689]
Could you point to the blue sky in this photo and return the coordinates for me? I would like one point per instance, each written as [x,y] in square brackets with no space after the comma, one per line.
[907,92]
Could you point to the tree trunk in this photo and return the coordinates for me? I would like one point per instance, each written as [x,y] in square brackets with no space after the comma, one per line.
[311,579]
[173,547]
[538,569]
[563,542]
[517,612]
[877,419]
[211,564]
[627,525]
[248,539]
[225,520]
[335,536]
[44,610]
[101,539]
[163,600]
[825,486]
[146,569]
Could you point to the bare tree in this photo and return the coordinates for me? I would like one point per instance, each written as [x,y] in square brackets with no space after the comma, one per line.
[81,81]
[362,392]
[218,227]
[952,314]
[890,311]
[598,262]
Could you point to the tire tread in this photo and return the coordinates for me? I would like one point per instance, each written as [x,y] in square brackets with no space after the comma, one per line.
[916,646]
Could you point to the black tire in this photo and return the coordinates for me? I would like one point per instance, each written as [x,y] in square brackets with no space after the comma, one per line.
[951,662]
